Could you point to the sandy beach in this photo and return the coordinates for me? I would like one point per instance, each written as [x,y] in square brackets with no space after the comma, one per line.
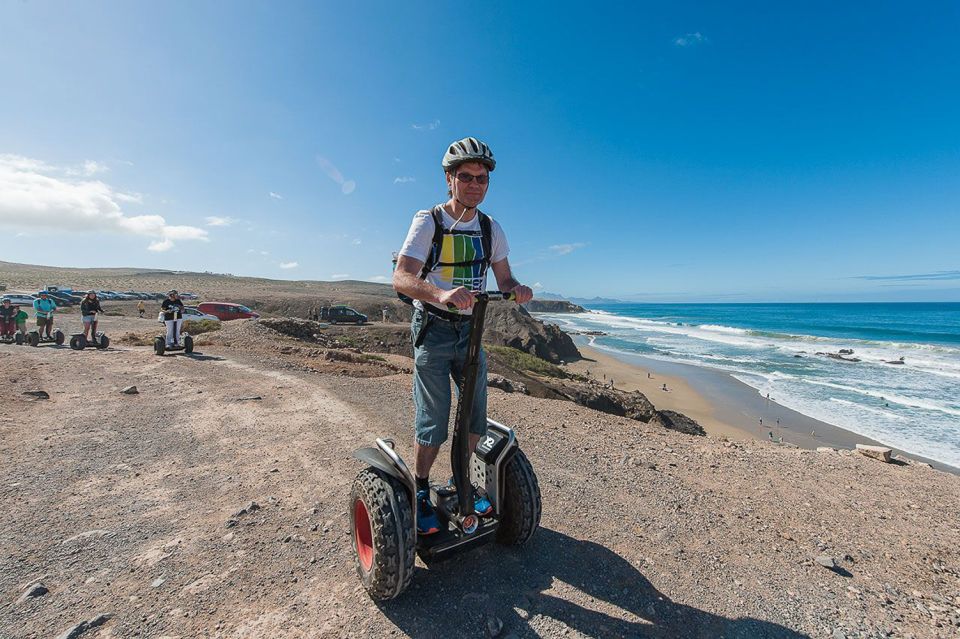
[724,406]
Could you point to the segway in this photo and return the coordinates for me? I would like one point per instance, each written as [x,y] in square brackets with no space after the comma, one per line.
[16,338]
[181,341]
[383,496]
[34,338]
[79,341]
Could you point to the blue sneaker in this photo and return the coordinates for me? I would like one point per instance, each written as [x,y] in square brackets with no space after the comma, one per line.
[481,505]
[427,522]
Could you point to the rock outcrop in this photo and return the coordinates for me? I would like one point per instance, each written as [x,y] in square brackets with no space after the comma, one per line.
[678,422]
[553,306]
[510,325]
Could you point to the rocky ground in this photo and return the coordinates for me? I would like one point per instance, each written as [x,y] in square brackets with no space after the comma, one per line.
[212,503]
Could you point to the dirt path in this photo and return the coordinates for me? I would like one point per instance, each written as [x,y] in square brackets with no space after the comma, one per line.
[129,505]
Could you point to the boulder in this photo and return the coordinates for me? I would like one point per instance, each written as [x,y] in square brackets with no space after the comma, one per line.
[678,422]
[881,453]
[506,385]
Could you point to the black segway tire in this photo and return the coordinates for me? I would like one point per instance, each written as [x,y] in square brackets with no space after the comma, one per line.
[33,338]
[381,527]
[58,337]
[103,342]
[18,338]
[159,345]
[520,515]
[78,342]
[187,344]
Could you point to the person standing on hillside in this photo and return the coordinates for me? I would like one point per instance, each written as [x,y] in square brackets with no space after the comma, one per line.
[141,308]
[44,308]
[443,261]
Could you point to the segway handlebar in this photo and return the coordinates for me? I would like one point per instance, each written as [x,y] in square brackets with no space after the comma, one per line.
[493,296]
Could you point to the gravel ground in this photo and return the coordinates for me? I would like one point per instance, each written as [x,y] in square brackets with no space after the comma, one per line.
[139,507]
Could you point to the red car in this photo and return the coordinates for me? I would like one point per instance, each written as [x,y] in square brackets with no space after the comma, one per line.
[227,311]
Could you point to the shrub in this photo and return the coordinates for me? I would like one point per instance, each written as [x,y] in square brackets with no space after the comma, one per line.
[199,327]
[521,361]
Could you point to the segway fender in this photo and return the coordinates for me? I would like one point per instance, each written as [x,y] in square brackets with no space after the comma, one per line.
[374,457]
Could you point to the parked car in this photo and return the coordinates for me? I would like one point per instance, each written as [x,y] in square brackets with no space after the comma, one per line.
[227,311]
[61,299]
[344,315]
[195,314]
[18,299]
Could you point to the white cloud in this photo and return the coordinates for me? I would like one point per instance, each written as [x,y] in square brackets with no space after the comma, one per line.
[88,168]
[690,39]
[566,249]
[357,241]
[404,179]
[346,186]
[339,276]
[378,278]
[289,265]
[215,220]
[276,196]
[32,195]
[429,126]
[160,246]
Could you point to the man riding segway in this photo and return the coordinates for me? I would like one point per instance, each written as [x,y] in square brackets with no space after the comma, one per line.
[44,308]
[171,314]
[396,514]
[442,274]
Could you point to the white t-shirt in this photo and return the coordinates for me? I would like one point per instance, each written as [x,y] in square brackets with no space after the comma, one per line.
[456,248]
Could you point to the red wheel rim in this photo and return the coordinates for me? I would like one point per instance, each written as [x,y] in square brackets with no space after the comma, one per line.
[362,534]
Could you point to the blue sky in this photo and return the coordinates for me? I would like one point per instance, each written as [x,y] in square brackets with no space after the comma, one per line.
[657,152]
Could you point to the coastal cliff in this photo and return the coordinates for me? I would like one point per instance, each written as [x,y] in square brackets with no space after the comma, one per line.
[553,306]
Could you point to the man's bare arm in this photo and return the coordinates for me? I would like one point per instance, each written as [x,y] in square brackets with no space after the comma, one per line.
[406,280]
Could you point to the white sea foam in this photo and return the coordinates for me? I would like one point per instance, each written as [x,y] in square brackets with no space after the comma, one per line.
[922,392]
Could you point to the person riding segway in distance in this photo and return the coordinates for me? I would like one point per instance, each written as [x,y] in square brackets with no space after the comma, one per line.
[443,261]
[89,308]
[21,318]
[8,320]
[172,317]
[44,308]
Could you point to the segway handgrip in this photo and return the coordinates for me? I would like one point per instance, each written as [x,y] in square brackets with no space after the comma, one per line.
[493,296]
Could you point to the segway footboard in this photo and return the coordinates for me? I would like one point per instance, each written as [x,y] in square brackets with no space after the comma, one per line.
[486,469]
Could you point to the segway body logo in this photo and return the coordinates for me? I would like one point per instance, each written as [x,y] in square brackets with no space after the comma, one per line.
[491,446]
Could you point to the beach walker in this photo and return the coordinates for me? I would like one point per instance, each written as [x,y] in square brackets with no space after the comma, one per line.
[382,499]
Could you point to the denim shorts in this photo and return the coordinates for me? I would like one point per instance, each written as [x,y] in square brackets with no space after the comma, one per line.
[440,358]
[89,319]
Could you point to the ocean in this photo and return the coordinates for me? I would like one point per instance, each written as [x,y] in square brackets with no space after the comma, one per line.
[913,405]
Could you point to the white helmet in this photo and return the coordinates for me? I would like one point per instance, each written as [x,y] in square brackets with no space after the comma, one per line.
[468,150]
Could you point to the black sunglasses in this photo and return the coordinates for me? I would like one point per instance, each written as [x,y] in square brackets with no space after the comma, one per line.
[467,178]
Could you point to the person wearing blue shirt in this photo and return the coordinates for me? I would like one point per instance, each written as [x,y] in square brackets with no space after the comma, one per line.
[44,308]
